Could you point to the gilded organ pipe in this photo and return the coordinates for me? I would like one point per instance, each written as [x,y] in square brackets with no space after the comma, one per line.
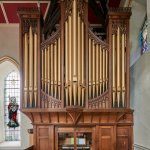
[104,68]
[52,70]
[70,58]
[66,60]
[59,77]
[101,69]
[74,92]
[79,59]
[114,69]
[42,69]
[123,70]
[93,67]
[35,69]
[97,69]
[82,61]
[30,66]
[74,42]
[55,68]
[48,57]
[118,67]
[90,68]
[45,70]
[26,67]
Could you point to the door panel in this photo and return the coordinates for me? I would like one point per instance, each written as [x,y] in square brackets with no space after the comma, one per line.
[122,143]
[43,144]
[45,138]
[105,138]
[123,138]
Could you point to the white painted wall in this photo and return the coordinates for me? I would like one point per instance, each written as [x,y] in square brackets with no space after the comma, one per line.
[9,41]
[140,87]
[140,93]
[136,22]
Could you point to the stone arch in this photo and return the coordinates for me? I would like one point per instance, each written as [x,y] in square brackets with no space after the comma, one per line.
[10,59]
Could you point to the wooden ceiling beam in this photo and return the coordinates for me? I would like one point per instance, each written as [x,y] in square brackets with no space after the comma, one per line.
[51,17]
[97,11]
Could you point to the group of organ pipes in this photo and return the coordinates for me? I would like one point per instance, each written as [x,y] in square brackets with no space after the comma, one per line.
[119,63]
[30,44]
[87,64]
[51,69]
[98,67]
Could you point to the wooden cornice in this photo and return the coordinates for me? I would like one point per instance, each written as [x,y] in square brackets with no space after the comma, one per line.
[79,116]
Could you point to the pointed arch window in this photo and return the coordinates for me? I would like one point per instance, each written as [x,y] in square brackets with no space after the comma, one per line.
[11,89]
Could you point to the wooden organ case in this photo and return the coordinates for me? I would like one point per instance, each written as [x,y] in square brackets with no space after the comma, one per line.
[75,87]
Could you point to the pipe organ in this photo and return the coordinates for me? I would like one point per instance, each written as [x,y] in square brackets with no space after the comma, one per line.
[73,83]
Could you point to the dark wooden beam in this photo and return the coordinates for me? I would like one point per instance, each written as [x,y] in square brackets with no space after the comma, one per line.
[52,17]
[97,11]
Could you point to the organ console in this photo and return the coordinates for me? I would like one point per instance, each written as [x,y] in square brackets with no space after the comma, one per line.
[75,84]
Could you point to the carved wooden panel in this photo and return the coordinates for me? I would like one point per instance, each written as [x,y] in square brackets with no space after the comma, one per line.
[106,138]
[124,138]
[45,138]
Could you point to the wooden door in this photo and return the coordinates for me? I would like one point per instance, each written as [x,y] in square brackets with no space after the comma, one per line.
[124,139]
[45,138]
[105,138]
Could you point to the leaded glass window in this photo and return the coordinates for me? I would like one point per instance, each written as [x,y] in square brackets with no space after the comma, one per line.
[11,89]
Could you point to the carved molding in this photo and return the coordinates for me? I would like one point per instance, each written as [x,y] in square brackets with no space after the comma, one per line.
[68,8]
[100,102]
[28,12]
[74,113]
[120,9]
[28,17]
[49,101]
[26,23]
[122,24]
[51,39]
[97,40]
[78,116]
[81,9]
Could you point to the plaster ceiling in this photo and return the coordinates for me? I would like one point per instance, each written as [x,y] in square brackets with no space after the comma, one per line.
[8,9]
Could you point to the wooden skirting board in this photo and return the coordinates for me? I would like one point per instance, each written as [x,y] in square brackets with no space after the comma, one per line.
[139,147]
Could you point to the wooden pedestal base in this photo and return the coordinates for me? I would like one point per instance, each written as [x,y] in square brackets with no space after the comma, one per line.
[110,129]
